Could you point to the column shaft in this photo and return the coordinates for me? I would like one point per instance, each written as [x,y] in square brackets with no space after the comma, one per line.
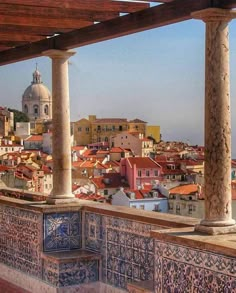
[217,189]
[62,185]
[217,127]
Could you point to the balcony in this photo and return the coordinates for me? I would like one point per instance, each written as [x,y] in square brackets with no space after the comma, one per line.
[51,248]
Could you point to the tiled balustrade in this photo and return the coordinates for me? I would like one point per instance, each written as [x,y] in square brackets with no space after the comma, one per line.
[65,246]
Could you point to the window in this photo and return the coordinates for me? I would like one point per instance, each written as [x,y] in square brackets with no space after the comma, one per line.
[87,129]
[79,129]
[120,128]
[26,108]
[178,209]
[156,207]
[155,172]
[170,206]
[139,173]
[46,109]
[36,109]
[99,128]
[105,192]
[190,209]
[133,206]
[142,206]
[106,139]
[113,128]
[148,173]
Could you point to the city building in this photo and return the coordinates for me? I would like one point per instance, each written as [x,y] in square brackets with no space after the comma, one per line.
[37,101]
[100,130]
[153,131]
[6,122]
[186,200]
[139,171]
[148,200]
[135,141]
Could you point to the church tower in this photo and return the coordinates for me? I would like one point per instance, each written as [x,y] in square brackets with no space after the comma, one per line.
[37,100]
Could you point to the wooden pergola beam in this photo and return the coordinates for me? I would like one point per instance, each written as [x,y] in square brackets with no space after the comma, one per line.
[153,17]
[157,16]
[92,5]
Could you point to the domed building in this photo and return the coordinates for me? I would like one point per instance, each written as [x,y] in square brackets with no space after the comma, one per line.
[37,100]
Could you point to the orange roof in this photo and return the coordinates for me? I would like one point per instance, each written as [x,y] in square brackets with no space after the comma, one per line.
[117,150]
[185,189]
[143,162]
[136,120]
[93,197]
[78,148]
[110,120]
[109,180]
[34,138]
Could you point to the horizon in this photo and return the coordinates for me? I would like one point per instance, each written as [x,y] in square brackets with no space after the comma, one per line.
[156,76]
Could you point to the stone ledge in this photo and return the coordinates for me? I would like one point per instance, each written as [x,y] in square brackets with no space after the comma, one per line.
[216,230]
[197,240]
[70,256]
[141,287]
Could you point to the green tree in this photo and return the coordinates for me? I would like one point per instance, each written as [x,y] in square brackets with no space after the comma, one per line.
[19,116]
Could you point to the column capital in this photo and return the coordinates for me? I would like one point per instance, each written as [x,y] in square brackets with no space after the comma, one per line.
[214,14]
[59,54]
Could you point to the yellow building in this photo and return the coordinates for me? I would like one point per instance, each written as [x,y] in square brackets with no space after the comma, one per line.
[96,130]
[154,132]
[137,125]
[82,131]
[103,129]
[6,121]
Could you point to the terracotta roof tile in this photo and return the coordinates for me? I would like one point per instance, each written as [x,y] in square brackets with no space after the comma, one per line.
[143,162]
[185,189]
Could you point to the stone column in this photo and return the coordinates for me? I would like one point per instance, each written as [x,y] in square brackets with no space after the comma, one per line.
[62,186]
[217,189]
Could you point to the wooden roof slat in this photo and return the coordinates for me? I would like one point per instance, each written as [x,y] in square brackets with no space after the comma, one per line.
[18,37]
[37,21]
[31,30]
[54,13]
[159,15]
[92,5]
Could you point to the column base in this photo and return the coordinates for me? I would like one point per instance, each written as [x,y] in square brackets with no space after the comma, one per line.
[55,200]
[215,230]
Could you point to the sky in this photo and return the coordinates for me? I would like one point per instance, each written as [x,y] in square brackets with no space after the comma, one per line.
[156,76]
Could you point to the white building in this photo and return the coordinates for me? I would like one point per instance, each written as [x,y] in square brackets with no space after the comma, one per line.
[37,100]
[141,199]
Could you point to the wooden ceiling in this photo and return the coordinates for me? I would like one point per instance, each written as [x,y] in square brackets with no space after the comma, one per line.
[29,27]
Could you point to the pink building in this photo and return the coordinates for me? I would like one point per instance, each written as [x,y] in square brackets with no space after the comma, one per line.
[139,171]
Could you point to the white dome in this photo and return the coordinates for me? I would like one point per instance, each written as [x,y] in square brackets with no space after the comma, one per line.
[37,100]
[37,92]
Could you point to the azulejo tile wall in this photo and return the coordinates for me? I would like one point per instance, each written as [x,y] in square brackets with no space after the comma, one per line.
[20,238]
[191,270]
[62,231]
[125,245]
[70,273]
